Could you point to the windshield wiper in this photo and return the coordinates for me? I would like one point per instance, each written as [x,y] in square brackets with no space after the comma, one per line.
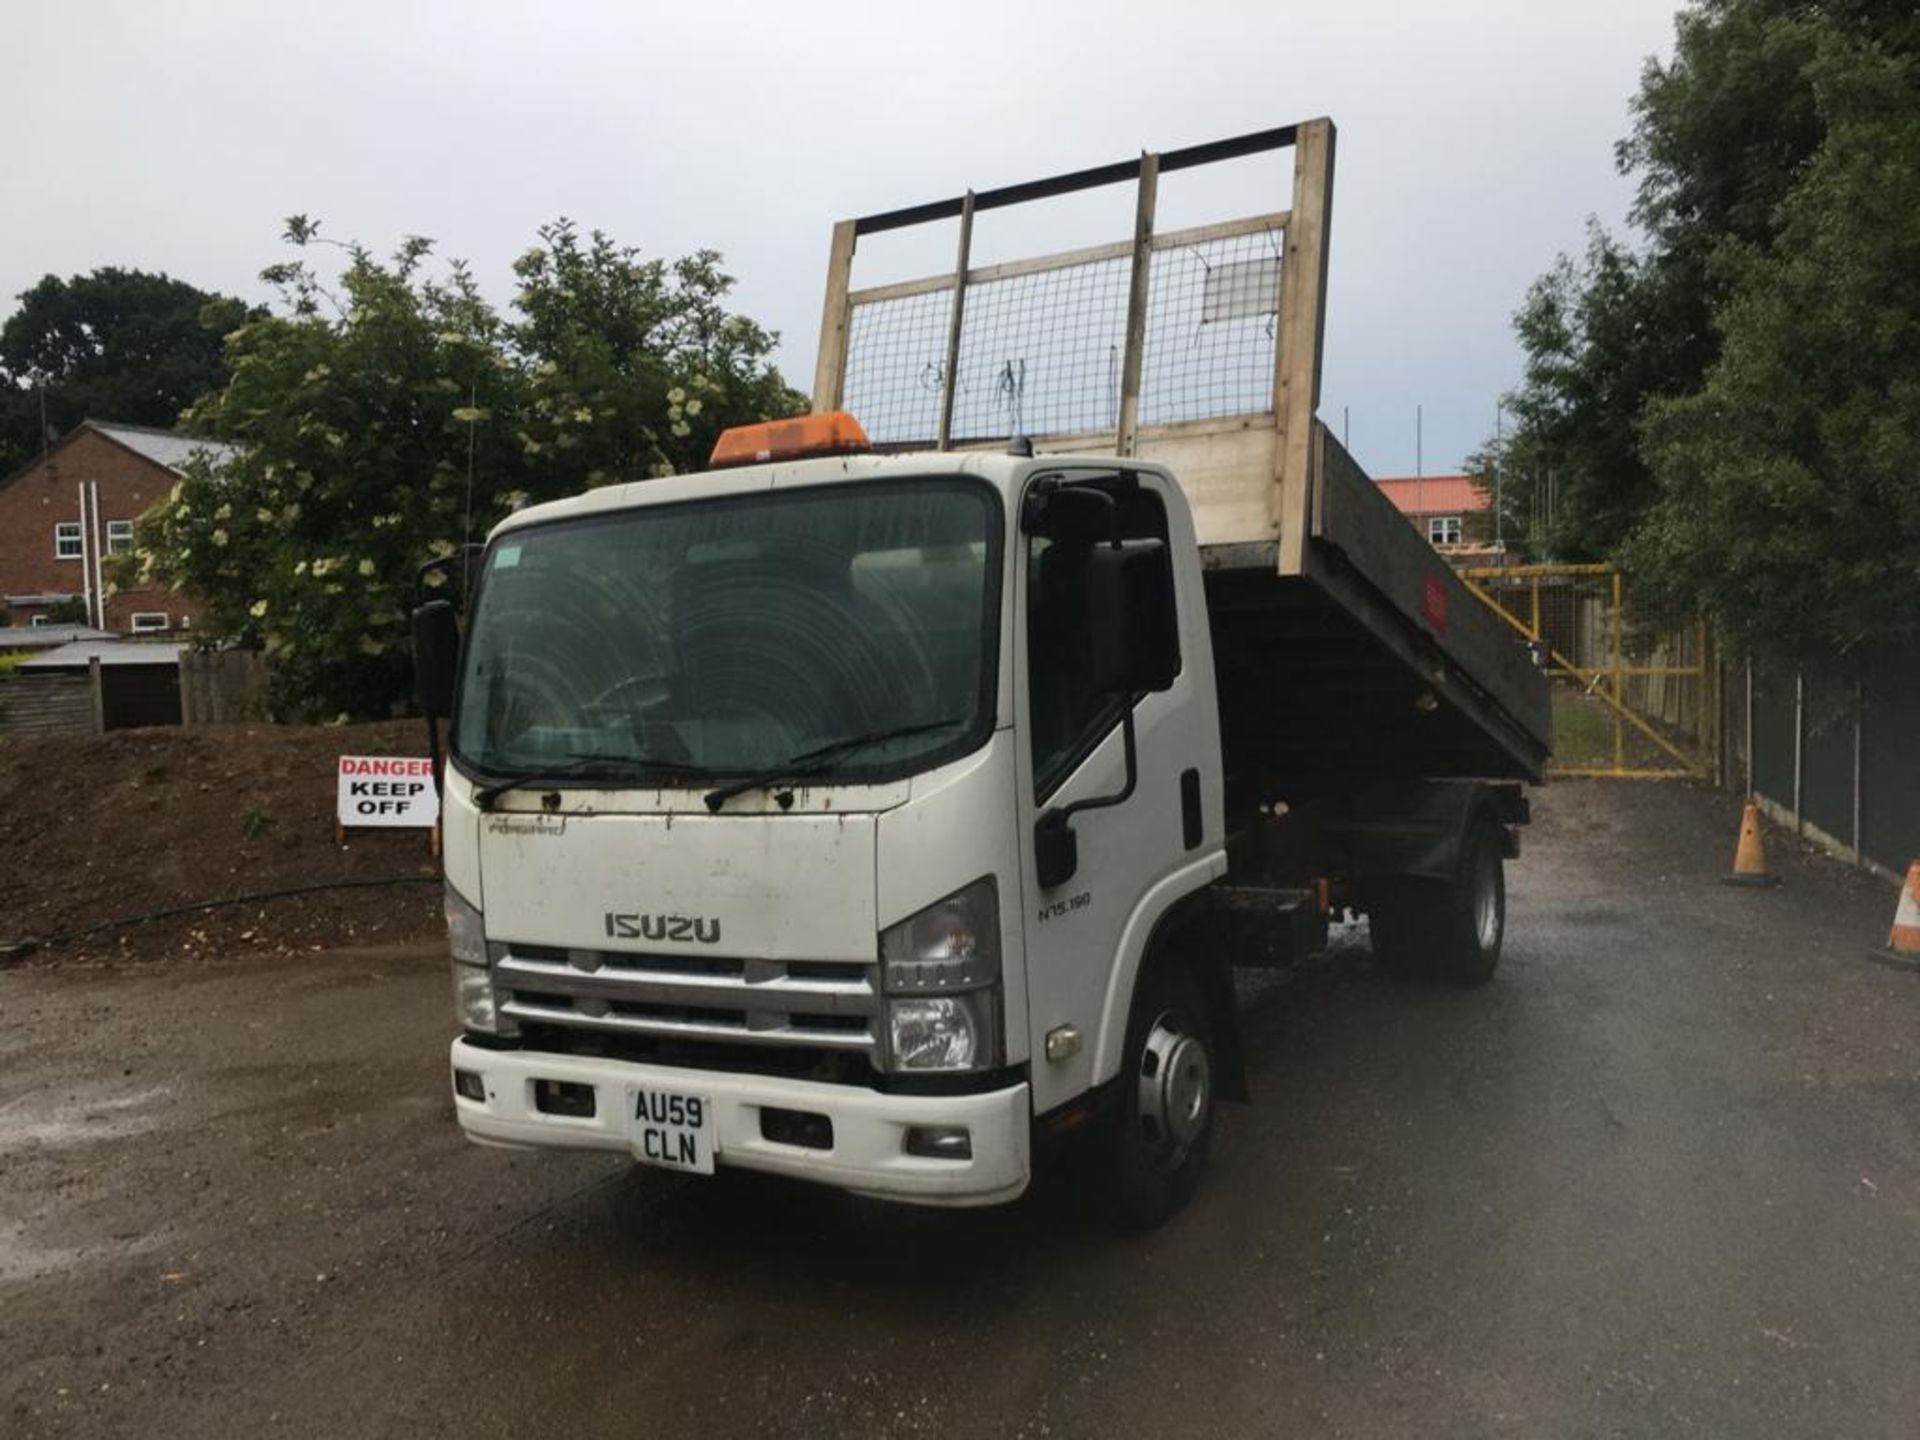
[586,763]
[809,761]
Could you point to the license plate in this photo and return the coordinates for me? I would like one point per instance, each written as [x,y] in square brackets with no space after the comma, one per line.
[671,1130]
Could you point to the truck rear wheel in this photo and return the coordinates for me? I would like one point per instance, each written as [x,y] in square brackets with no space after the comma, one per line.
[1448,931]
[1162,1117]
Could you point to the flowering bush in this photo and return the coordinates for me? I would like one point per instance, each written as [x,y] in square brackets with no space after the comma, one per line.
[385,418]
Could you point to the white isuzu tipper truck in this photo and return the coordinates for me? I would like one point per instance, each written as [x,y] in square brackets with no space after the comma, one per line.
[880,804]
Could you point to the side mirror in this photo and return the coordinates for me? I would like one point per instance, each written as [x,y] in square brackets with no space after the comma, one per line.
[1136,643]
[1056,851]
[436,657]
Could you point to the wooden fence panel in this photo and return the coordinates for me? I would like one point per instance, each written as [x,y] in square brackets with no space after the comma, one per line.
[222,687]
[46,705]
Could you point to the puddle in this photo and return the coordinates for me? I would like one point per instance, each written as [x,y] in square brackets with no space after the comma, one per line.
[21,1259]
[70,1122]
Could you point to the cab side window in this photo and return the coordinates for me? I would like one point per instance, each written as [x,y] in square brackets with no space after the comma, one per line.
[1068,717]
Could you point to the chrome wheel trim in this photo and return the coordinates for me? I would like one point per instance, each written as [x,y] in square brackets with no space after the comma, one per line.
[1175,1089]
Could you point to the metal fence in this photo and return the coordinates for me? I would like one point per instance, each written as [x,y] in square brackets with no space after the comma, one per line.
[1633,688]
[1834,759]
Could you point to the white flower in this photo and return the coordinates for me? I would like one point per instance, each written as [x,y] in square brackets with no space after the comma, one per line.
[219,538]
[693,407]
[258,609]
[366,567]
[676,395]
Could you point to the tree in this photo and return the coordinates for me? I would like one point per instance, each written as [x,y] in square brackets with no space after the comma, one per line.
[1789,503]
[113,345]
[1660,378]
[386,417]
[1600,339]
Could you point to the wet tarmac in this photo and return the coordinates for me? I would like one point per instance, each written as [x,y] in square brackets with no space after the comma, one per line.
[1661,1177]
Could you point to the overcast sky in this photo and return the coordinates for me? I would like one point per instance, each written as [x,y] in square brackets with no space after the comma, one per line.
[1475,139]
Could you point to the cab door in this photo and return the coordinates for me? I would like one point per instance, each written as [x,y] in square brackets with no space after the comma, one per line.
[1134,858]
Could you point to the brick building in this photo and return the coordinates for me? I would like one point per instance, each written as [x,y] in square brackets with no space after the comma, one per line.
[1445,508]
[61,514]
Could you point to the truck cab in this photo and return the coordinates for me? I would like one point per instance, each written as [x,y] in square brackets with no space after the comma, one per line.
[751,785]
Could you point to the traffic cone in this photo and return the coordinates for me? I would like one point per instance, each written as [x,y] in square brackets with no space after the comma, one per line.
[1903,944]
[1750,855]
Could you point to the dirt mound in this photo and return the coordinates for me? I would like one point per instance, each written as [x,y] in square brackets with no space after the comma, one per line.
[108,827]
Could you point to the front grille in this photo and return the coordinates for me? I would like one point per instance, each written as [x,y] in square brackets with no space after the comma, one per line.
[813,1006]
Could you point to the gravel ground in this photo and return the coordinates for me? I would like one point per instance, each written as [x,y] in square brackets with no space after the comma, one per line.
[1662,1177]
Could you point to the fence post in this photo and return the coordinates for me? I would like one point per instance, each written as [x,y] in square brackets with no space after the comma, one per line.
[1859,722]
[1619,688]
[1799,734]
[1748,767]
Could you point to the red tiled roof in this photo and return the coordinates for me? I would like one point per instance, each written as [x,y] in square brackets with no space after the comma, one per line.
[1434,494]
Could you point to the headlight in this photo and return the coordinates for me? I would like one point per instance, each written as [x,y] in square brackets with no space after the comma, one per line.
[943,1032]
[941,972]
[473,1002]
[466,932]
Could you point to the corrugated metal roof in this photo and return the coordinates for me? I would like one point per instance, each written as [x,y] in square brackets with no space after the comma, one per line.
[112,653]
[44,637]
[163,447]
[1434,494]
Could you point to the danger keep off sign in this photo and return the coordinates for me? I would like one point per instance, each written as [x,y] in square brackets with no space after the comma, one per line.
[387,790]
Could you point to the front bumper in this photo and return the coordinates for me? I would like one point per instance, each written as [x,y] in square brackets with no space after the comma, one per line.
[868,1155]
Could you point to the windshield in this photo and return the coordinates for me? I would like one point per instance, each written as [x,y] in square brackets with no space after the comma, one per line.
[726,636]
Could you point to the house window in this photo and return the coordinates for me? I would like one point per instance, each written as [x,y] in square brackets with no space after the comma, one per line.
[66,540]
[1443,529]
[38,621]
[147,621]
[119,536]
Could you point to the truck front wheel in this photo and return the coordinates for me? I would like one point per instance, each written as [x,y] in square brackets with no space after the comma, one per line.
[1162,1115]
[1446,930]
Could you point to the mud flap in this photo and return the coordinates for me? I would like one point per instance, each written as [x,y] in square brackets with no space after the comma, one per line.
[1215,979]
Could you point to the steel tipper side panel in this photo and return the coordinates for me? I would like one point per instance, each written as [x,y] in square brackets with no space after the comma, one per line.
[1471,658]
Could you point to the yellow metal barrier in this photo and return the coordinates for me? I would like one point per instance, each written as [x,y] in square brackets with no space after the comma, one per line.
[1634,690]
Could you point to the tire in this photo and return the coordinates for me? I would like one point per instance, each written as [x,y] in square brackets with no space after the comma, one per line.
[1160,1125]
[1446,931]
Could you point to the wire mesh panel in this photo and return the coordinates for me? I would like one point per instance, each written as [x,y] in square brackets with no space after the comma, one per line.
[1041,353]
[1042,350]
[896,354]
[1213,310]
